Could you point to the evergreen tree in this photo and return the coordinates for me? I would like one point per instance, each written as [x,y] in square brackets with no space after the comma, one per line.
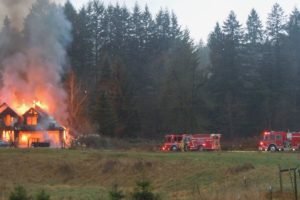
[274,64]
[107,116]
[254,31]
[253,93]
[180,98]
[175,31]
[19,193]
[292,53]
[232,73]
[233,29]
[275,24]
[225,84]
[116,194]
[147,32]
[71,15]
[163,29]
[82,45]
[42,195]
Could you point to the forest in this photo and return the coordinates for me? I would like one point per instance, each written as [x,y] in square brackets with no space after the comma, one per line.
[133,73]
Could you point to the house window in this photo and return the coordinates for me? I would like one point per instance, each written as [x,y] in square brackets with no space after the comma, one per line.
[32,120]
[8,119]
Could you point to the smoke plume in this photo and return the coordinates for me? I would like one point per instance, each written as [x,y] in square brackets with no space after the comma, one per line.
[17,10]
[34,73]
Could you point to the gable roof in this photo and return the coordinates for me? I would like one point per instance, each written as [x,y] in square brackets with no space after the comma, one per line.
[36,110]
[45,121]
[5,109]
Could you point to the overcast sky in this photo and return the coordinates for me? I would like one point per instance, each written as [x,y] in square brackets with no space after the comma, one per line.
[200,16]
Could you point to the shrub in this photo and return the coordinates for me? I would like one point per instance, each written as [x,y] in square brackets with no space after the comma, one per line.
[19,193]
[42,195]
[143,192]
[116,194]
[92,141]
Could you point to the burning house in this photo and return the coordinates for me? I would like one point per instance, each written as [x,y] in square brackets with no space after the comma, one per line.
[35,128]
[32,71]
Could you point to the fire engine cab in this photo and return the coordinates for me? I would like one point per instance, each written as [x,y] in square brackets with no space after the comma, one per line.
[279,141]
[191,142]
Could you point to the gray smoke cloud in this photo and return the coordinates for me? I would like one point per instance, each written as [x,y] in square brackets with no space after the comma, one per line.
[34,73]
[17,10]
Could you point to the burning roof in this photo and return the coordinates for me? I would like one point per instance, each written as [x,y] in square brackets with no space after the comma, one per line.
[38,119]
[5,109]
[33,119]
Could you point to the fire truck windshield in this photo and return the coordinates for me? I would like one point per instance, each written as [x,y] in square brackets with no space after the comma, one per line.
[269,137]
[169,139]
[266,137]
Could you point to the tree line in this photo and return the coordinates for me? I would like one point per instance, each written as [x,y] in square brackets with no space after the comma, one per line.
[140,73]
[137,74]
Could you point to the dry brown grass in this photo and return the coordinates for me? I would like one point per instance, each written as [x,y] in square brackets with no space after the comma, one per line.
[89,174]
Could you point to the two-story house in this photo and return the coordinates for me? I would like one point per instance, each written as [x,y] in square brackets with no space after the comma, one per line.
[34,128]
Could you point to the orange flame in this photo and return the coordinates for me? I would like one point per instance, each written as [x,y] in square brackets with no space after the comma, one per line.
[24,138]
[21,108]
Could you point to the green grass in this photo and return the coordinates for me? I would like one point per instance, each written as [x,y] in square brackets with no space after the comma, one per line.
[89,174]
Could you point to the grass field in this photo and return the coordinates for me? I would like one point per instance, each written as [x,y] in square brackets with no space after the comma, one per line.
[90,174]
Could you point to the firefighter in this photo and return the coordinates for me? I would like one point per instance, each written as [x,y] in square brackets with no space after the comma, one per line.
[185,143]
[181,145]
[287,144]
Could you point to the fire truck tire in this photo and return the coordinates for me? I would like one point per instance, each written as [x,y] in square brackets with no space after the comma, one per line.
[174,148]
[272,148]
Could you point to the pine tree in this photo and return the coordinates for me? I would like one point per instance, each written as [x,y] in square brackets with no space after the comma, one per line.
[274,64]
[107,116]
[148,32]
[253,93]
[71,15]
[216,45]
[163,29]
[175,28]
[275,24]
[225,84]
[232,29]
[181,112]
[82,59]
[292,53]
[254,31]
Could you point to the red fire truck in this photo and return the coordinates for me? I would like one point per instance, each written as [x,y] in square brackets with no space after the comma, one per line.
[279,141]
[191,142]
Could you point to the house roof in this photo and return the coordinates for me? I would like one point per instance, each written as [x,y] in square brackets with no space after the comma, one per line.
[5,109]
[45,121]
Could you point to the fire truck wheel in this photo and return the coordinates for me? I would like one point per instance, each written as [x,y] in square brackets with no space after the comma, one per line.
[272,148]
[174,148]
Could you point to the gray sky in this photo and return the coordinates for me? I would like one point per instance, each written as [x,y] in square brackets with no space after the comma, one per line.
[200,16]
